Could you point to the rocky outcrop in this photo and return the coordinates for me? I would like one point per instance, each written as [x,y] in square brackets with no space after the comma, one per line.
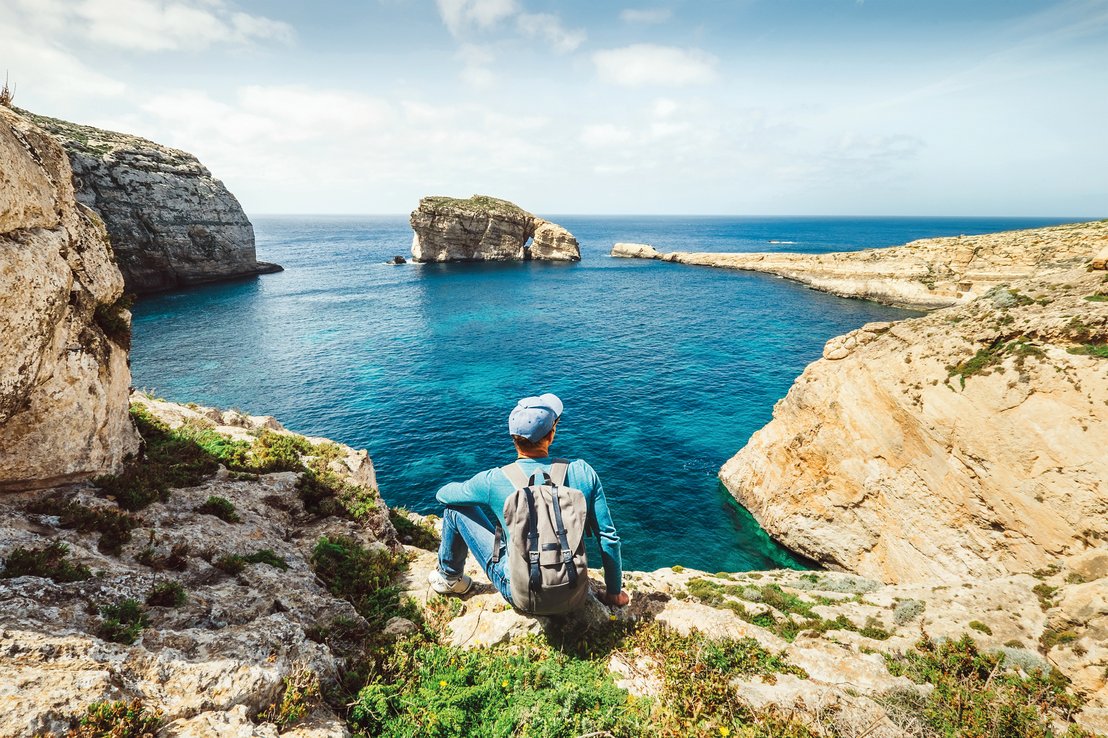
[486,229]
[171,223]
[635,251]
[214,662]
[64,334]
[966,443]
[1057,618]
[929,273]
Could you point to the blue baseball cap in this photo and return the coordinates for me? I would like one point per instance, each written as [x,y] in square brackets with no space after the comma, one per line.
[533,417]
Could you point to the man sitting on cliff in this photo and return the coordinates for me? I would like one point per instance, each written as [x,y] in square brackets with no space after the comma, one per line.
[466,525]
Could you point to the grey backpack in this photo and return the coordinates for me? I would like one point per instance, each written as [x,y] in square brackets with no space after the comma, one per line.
[546,523]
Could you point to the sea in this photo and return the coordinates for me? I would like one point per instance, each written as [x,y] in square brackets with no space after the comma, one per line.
[665,369]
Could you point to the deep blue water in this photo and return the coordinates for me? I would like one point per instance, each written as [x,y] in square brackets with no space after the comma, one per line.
[666,370]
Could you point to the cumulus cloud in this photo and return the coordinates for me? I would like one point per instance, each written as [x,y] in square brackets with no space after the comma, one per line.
[549,27]
[645,15]
[146,25]
[641,65]
[461,14]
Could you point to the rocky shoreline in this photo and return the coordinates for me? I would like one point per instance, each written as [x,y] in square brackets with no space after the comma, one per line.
[925,274]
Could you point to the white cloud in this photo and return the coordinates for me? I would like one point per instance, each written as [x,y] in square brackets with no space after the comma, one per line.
[476,61]
[640,65]
[460,14]
[646,15]
[146,25]
[550,28]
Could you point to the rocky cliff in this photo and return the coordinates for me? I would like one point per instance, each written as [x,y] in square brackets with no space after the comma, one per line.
[966,443]
[929,273]
[264,592]
[64,333]
[171,223]
[486,229]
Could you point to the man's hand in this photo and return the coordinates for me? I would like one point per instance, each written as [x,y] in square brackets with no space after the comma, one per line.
[617,600]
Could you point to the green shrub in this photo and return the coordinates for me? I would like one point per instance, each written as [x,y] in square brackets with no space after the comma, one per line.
[122,622]
[274,452]
[908,610]
[974,695]
[49,562]
[230,564]
[980,627]
[117,720]
[113,525]
[299,695]
[166,594]
[1099,350]
[221,508]
[363,576]
[175,560]
[267,556]
[414,534]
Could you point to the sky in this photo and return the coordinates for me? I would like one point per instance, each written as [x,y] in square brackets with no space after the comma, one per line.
[775,107]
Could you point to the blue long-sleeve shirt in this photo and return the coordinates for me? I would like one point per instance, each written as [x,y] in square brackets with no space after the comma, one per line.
[491,488]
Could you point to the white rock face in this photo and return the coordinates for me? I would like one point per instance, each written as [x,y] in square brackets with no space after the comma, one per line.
[928,273]
[486,229]
[63,380]
[171,223]
[635,251]
[966,443]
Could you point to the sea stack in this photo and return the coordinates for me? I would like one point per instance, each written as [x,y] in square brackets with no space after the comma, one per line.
[484,228]
[171,223]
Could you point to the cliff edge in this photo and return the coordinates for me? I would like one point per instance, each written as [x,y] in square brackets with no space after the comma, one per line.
[171,223]
[969,442]
[483,228]
[928,273]
[64,333]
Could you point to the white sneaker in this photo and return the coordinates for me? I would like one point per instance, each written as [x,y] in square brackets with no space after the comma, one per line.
[442,585]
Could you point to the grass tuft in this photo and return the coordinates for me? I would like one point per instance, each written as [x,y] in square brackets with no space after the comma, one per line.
[117,720]
[49,562]
[166,594]
[122,622]
[221,508]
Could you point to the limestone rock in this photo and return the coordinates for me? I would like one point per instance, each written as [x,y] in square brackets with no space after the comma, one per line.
[211,665]
[63,376]
[969,442]
[928,273]
[485,228]
[171,223]
[635,251]
[1100,261]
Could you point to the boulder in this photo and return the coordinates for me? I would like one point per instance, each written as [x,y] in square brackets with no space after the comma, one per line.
[64,333]
[171,223]
[485,228]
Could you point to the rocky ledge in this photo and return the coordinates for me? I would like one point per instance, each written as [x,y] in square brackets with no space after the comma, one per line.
[928,273]
[245,580]
[969,442]
[171,223]
[485,228]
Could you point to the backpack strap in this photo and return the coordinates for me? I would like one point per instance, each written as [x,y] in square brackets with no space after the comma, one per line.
[515,474]
[559,468]
[567,555]
[533,541]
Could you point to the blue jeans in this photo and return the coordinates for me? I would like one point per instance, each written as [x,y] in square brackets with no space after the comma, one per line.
[466,529]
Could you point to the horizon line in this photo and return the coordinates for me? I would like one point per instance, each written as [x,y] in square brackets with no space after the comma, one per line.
[1075,218]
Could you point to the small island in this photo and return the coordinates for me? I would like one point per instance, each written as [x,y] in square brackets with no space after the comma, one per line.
[483,228]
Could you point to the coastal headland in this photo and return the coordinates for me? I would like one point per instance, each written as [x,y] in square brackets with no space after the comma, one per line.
[179,570]
[925,274]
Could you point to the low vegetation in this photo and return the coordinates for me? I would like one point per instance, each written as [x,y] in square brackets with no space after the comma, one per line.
[268,557]
[1099,350]
[115,320]
[122,622]
[48,562]
[974,694]
[113,525]
[300,694]
[990,358]
[221,508]
[420,535]
[365,577]
[166,594]
[117,720]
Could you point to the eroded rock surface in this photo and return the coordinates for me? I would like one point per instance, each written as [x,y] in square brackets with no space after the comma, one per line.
[171,223]
[1054,617]
[214,663]
[928,273]
[63,338]
[966,443]
[485,228]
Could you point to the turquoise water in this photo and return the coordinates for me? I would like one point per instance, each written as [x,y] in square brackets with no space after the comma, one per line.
[665,370]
